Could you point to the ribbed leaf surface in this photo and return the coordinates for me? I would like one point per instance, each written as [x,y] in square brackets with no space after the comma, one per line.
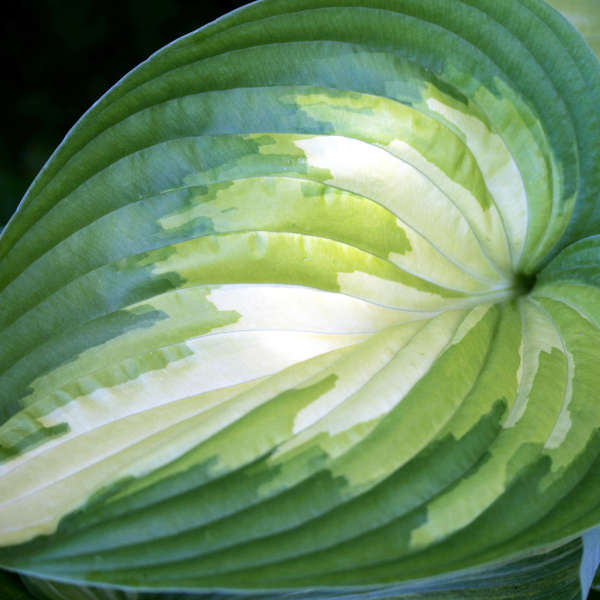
[310,300]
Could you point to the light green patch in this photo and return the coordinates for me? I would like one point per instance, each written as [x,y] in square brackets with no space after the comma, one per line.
[535,172]
[27,429]
[185,314]
[368,525]
[112,429]
[369,368]
[471,320]
[76,373]
[384,387]
[544,154]
[99,455]
[382,453]
[53,334]
[581,297]
[373,172]
[422,142]
[259,155]
[22,433]
[183,218]
[203,462]
[497,166]
[222,456]
[539,335]
[287,204]
[312,453]
[498,380]
[487,223]
[127,344]
[563,422]
[581,339]
[319,105]
[585,16]
[509,455]
[263,257]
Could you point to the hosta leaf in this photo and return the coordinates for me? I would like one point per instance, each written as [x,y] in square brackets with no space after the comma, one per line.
[309,304]
[552,575]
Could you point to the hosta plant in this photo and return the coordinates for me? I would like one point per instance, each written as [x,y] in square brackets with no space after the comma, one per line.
[308,304]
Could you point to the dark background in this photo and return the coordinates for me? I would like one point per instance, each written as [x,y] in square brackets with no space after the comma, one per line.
[62,55]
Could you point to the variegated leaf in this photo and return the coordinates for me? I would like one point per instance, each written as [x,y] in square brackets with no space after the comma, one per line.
[310,300]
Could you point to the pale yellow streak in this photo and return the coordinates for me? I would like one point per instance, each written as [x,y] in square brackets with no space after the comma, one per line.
[356,371]
[539,335]
[386,388]
[373,172]
[302,309]
[487,223]
[498,168]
